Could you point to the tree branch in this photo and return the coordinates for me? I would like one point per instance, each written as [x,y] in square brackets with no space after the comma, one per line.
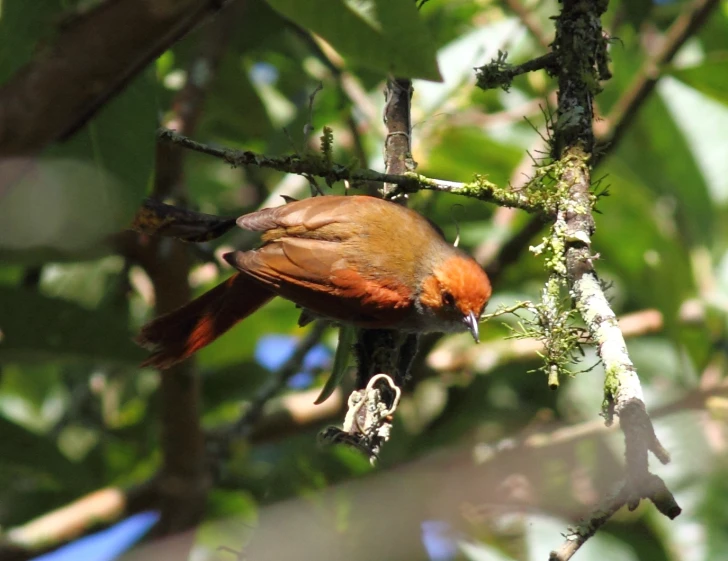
[500,74]
[610,130]
[184,479]
[581,52]
[155,218]
[407,182]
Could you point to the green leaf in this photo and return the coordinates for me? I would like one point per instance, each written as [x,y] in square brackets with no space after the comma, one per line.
[22,26]
[703,122]
[234,111]
[261,28]
[35,453]
[385,35]
[232,383]
[637,11]
[713,32]
[35,327]
[635,244]
[658,153]
[347,335]
[33,385]
[461,152]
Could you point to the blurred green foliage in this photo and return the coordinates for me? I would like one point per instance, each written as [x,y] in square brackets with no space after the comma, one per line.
[76,413]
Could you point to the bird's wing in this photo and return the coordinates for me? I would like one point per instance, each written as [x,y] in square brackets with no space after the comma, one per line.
[308,214]
[311,273]
[298,261]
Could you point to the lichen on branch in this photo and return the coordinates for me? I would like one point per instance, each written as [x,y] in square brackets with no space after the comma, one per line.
[500,74]
[580,49]
[530,198]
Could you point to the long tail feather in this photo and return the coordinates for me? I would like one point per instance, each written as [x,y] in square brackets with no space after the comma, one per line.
[179,334]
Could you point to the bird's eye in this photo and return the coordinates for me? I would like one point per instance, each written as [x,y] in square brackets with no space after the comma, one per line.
[448,299]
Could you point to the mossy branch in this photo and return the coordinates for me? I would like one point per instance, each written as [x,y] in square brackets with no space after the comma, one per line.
[529,198]
[500,74]
[580,48]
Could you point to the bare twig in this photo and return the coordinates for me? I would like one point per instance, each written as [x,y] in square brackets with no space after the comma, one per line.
[68,522]
[308,128]
[398,120]
[652,487]
[155,218]
[508,251]
[350,84]
[476,117]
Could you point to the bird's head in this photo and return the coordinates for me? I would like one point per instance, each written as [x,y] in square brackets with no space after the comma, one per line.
[455,294]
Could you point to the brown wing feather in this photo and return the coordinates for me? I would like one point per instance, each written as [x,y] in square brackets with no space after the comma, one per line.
[310,214]
[296,260]
[311,273]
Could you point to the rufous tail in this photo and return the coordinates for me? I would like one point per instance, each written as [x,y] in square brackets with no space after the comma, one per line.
[179,334]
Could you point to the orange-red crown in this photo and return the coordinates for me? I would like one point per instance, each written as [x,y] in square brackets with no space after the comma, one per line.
[461,280]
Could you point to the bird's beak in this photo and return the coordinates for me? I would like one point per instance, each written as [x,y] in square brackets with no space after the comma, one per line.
[471,320]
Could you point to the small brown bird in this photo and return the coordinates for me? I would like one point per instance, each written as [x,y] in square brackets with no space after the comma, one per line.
[357,260]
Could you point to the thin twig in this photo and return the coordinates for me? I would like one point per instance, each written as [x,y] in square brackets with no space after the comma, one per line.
[349,84]
[507,310]
[480,189]
[308,128]
[480,359]
[155,218]
[398,120]
[500,74]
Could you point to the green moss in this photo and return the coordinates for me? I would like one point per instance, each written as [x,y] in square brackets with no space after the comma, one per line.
[327,146]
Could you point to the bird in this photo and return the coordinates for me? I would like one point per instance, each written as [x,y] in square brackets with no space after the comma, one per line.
[355,260]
